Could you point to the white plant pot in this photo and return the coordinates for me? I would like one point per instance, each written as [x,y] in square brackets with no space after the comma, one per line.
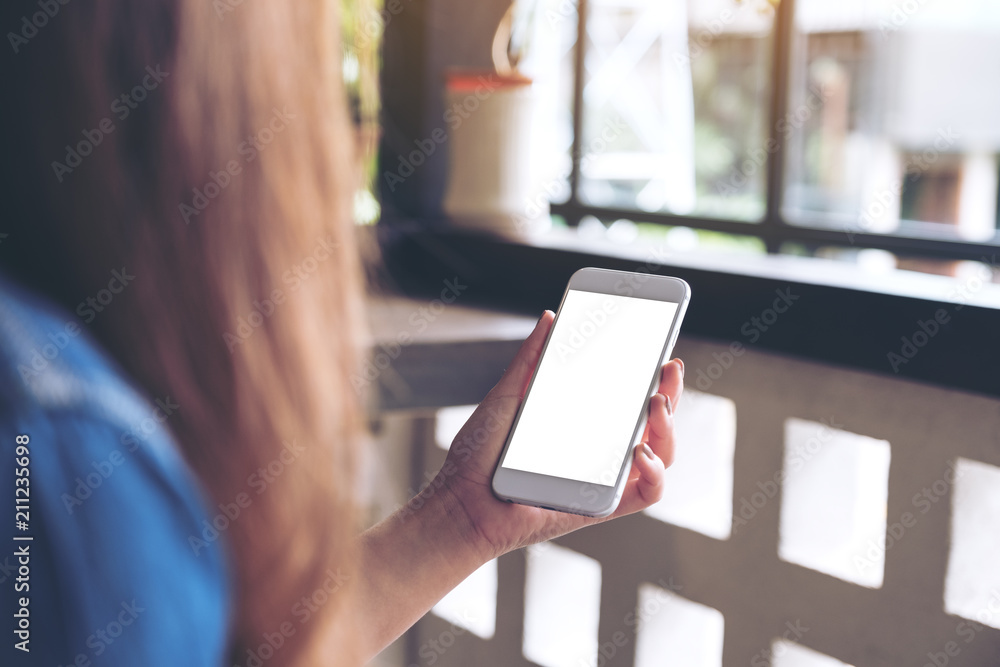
[490,175]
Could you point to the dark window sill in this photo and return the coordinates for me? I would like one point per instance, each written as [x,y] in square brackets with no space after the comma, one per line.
[837,314]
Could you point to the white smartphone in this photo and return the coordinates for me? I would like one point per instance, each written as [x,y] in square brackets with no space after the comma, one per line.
[584,412]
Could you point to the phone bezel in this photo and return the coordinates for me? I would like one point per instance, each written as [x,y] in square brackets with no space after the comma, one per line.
[573,496]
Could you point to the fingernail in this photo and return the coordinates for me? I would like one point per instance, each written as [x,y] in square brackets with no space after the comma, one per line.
[647,451]
[681,362]
[670,405]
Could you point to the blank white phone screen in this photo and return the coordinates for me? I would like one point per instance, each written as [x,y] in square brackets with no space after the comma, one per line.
[590,386]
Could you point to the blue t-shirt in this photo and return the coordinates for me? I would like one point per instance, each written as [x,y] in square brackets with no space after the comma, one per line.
[109,575]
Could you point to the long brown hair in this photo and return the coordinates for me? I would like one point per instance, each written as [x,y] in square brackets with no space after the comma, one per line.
[225,191]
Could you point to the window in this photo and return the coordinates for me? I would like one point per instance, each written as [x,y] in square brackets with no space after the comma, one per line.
[819,128]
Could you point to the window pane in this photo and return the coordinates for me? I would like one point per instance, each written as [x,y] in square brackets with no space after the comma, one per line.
[892,117]
[545,50]
[675,106]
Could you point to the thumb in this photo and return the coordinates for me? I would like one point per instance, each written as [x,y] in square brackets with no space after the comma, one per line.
[515,379]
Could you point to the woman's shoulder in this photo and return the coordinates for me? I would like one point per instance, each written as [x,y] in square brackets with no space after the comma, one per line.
[124,566]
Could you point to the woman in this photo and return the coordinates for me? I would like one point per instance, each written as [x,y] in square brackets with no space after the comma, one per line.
[191,420]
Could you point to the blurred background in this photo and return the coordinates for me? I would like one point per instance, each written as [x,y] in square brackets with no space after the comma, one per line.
[825,176]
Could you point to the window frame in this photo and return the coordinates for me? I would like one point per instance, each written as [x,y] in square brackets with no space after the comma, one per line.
[773,229]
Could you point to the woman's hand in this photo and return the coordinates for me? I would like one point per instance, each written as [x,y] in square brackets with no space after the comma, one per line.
[498,527]
[411,559]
